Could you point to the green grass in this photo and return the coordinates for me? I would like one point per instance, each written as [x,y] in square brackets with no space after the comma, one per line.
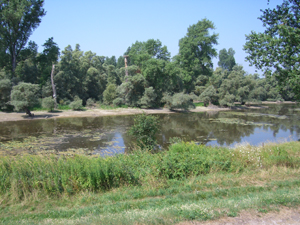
[187,182]
[63,107]
[199,104]
[110,107]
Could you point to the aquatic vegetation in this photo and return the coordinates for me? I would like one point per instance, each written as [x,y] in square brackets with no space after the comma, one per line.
[251,114]
[238,121]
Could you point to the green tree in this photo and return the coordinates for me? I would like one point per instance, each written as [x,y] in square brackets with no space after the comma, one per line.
[120,62]
[226,59]
[5,88]
[196,51]
[18,19]
[131,91]
[76,104]
[110,94]
[27,70]
[140,52]
[48,103]
[209,96]
[178,101]
[23,96]
[278,47]
[81,74]
[149,98]
[46,59]
[111,61]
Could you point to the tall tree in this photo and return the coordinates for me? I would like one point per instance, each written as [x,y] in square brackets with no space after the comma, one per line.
[196,51]
[18,19]
[276,50]
[48,57]
[140,52]
[226,59]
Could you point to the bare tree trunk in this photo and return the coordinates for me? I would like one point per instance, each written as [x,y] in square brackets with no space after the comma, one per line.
[53,86]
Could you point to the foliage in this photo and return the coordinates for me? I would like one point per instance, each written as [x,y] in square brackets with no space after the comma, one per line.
[76,104]
[54,176]
[110,94]
[196,51]
[140,52]
[178,101]
[278,46]
[90,102]
[5,89]
[118,101]
[132,90]
[144,130]
[46,59]
[149,98]
[226,59]
[18,20]
[80,74]
[209,96]
[24,95]
[48,103]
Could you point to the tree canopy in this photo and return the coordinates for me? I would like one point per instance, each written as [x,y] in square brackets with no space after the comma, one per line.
[276,50]
[18,19]
[196,51]
[151,78]
[226,59]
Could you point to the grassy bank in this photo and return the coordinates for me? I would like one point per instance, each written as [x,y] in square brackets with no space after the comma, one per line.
[186,182]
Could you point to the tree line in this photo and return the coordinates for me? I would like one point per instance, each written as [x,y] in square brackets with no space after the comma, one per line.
[152,78]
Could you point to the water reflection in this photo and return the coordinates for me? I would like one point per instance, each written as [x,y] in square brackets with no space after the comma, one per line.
[107,135]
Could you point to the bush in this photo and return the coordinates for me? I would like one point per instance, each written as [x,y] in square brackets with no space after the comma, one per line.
[178,101]
[5,89]
[24,95]
[48,103]
[110,94]
[148,99]
[76,104]
[118,101]
[90,102]
[144,130]
[209,96]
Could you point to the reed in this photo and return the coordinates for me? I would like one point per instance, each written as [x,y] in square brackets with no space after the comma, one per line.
[58,175]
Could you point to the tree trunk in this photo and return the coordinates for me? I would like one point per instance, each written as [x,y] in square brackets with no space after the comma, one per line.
[53,86]
[28,112]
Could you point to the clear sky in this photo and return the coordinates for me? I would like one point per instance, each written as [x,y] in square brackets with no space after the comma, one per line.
[109,27]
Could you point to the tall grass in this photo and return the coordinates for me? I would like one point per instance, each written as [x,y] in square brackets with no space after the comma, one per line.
[22,176]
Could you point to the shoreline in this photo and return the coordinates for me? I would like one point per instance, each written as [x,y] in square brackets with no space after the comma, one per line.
[95,112]
[18,116]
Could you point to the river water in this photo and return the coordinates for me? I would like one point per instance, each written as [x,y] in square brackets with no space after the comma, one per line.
[108,135]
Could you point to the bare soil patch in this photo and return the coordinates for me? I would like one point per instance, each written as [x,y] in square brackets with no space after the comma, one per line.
[284,216]
[93,113]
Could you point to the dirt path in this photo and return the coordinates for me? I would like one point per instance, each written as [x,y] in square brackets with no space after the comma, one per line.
[284,216]
[94,113]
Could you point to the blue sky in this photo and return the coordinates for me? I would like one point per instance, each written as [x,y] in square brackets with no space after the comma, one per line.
[109,27]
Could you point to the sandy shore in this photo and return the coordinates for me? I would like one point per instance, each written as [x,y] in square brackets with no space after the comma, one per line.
[16,116]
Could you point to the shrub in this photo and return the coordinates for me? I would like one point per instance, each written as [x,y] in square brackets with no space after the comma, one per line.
[90,102]
[209,96]
[144,130]
[178,101]
[76,104]
[110,94]
[5,89]
[148,99]
[48,103]
[118,101]
[24,95]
